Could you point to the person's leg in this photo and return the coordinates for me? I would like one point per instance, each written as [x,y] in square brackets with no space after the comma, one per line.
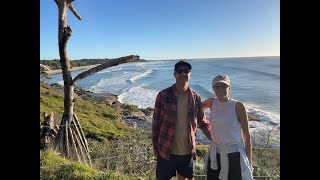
[165,169]
[184,166]
[234,166]
[214,174]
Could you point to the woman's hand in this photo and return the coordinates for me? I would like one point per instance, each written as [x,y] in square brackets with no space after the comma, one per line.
[251,167]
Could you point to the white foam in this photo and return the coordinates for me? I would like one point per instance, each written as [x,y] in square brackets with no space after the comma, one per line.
[140,76]
[139,96]
[106,71]
[115,85]
[61,83]
[265,116]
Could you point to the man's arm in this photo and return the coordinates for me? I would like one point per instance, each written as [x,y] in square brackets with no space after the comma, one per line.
[203,123]
[156,121]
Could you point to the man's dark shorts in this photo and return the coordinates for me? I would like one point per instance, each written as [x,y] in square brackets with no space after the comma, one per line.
[234,168]
[166,169]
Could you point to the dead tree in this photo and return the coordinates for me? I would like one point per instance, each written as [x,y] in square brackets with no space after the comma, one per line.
[48,131]
[70,140]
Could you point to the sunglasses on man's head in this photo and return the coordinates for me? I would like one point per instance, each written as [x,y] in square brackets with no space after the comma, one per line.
[220,85]
[185,71]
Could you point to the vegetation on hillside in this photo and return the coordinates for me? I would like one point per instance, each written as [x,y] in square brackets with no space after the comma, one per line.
[51,169]
[98,121]
[118,151]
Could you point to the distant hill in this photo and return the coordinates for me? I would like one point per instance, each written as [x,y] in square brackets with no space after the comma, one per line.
[55,64]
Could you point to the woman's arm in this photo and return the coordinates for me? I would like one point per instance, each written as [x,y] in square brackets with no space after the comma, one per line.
[243,120]
[207,103]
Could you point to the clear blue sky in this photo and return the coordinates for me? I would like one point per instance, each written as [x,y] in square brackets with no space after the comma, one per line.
[164,29]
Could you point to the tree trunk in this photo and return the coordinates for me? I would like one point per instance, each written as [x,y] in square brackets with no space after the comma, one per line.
[70,141]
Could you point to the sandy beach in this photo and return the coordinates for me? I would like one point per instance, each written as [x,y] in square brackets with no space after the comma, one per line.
[56,71]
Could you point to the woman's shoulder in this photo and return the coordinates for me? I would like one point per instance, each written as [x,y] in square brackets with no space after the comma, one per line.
[240,107]
[238,103]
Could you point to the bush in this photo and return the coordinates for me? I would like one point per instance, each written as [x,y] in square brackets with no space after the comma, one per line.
[131,108]
[202,150]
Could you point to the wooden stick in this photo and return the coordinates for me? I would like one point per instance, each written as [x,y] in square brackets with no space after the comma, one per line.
[59,139]
[67,138]
[81,131]
[82,145]
[73,145]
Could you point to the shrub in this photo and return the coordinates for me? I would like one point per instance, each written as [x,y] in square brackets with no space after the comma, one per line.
[130,108]
[202,150]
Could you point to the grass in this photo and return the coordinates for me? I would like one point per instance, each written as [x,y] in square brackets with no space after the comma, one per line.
[98,121]
[52,169]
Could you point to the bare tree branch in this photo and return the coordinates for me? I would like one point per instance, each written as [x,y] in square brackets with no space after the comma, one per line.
[73,10]
[70,1]
[62,8]
[105,65]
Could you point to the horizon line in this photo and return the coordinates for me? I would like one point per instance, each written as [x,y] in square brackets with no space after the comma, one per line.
[174,58]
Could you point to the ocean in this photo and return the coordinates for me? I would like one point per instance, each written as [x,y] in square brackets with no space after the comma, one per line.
[255,81]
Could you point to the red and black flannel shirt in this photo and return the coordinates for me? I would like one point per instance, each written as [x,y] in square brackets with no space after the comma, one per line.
[165,114]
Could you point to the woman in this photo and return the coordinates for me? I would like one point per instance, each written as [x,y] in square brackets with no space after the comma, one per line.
[230,152]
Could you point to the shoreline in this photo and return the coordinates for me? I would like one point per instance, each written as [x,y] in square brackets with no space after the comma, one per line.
[260,130]
[78,68]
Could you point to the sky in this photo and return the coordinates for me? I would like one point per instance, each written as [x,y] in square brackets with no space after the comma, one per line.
[164,29]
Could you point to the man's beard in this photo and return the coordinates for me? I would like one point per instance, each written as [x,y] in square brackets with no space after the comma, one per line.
[184,82]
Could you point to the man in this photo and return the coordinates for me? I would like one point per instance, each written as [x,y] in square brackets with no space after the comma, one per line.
[177,113]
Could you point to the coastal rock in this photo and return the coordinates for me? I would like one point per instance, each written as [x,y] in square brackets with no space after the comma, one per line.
[148,111]
[273,123]
[137,115]
[118,107]
[101,98]
[44,67]
[252,117]
[252,126]
[138,123]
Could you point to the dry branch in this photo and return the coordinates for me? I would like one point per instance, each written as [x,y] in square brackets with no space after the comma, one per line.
[76,120]
[73,10]
[105,65]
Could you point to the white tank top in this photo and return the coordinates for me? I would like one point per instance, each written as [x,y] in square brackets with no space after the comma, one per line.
[225,127]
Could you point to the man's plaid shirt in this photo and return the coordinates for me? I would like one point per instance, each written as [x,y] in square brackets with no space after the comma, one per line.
[165,114]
